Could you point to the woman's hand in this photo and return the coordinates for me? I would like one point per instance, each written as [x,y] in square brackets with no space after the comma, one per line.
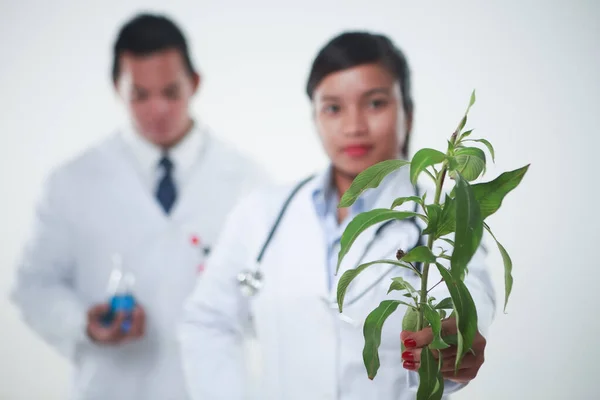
[414,342]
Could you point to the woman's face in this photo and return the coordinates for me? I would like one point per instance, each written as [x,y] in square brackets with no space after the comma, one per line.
[360,118]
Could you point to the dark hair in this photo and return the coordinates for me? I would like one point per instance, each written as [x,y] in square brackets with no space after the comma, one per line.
[351,49]
[146,34]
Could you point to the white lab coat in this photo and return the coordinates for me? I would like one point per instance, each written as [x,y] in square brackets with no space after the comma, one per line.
[306,350]
[95,206]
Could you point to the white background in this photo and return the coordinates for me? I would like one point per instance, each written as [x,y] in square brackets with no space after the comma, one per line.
[535,66]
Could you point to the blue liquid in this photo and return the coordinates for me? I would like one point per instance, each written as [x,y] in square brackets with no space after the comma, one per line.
[120,303]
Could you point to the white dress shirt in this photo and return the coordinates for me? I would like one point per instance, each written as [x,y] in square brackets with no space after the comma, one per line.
[147,155]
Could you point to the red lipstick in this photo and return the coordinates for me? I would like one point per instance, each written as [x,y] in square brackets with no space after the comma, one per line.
[357,150]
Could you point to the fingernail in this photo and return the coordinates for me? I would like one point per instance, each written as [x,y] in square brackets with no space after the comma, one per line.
[410,343]
[408,365]
[407,355]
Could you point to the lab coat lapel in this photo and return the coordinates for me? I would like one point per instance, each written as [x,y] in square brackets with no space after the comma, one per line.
[131,171]
[372,246]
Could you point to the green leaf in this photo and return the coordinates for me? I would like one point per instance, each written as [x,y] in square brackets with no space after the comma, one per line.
[350,274]
[401,200]
[372,333]
[448,219]
[369,178]
[462,124]
[419,253]
[464,311]
[400,284]
[430,378]
[489,195]
[434,213]
[410,322]
[508,279]
[469,228]
[452,340]
[436,327]
[442,313]
[470,163]
[466,133]
[487,144]
[471,100]
[423,159]
[362,222]
[446,303]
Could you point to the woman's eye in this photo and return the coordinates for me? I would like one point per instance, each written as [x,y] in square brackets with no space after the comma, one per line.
[332,109]
[172,94]
[378,103]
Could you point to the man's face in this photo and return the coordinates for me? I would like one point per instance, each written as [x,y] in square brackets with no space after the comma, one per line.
[157,89]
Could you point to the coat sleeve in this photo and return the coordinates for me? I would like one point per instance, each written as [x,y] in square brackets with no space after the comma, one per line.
[480,285]
[216,314]
[43,290]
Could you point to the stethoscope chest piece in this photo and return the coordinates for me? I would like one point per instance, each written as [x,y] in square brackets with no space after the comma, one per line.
[250,282]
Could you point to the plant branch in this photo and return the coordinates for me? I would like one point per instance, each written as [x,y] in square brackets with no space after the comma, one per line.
[433,287]
[430,240]
[436,201]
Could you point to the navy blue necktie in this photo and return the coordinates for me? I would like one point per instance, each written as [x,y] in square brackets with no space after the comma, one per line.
[166,192]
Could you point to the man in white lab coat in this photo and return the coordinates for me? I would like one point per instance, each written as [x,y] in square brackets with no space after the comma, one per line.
[154,196]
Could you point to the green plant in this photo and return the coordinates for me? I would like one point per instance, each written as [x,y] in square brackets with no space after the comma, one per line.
[460,216]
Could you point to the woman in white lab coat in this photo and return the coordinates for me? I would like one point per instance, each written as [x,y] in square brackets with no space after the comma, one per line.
[280,284]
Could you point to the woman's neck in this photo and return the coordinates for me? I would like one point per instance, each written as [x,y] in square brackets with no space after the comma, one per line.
[341,183]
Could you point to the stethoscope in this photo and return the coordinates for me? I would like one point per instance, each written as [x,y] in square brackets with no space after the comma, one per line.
[251,281]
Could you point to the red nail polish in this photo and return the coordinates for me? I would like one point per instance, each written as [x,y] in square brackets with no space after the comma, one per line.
[408,365]
[408,356]
[410,343]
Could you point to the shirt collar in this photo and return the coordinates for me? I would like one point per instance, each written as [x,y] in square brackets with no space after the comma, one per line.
[326,199]
[183,154]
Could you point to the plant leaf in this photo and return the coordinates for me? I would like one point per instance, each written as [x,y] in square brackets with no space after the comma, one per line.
[446,303]
[464,312]
[410,322]
[466,133]
[401,200]
[350,274]
[470,163]
[487,144]
[400,284]
[469,228]
[423,159]
[362,222]
[442,313]
[372,333]
[430,379]
[434,213]
[462,124]
[448,219]
[489,195]
[369,178]
[419,253]
[471,100]
[508,279]
[436,327]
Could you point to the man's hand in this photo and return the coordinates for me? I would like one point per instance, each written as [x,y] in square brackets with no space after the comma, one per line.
[113,334]
[469,365]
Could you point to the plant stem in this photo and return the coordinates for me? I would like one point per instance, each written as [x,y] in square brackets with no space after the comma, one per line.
[438,192]
[430,240]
